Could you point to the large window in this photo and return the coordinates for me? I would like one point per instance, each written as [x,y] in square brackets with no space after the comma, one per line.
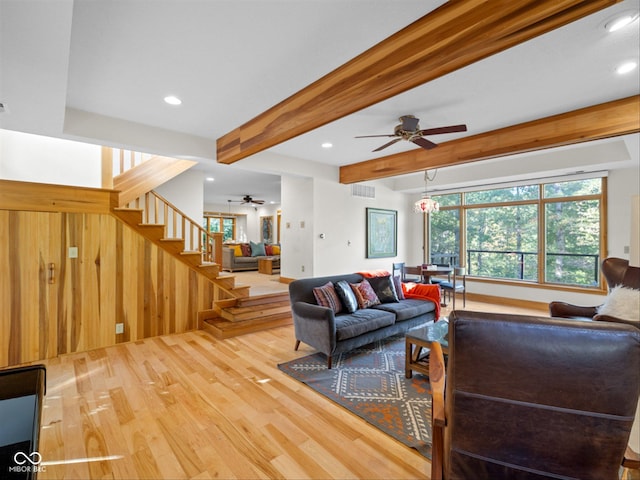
[226,225]
[544,233]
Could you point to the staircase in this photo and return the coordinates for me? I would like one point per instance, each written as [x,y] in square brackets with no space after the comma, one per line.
[246,315]
[234,312]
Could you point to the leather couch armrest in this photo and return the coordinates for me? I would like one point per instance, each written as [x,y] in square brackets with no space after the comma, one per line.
[566,310]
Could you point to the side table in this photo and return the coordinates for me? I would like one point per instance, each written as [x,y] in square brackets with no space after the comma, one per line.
[422,338]
[265,265]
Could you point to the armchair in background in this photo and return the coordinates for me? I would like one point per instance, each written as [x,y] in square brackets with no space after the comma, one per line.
[529,398]
[617,273]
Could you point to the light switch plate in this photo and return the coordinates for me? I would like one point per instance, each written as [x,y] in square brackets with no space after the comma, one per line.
[73,252]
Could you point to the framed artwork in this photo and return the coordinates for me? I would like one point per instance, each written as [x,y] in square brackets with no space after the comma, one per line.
[382,233]
[266,229]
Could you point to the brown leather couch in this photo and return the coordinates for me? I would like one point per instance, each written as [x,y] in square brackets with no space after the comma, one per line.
[532,397]
[616,272]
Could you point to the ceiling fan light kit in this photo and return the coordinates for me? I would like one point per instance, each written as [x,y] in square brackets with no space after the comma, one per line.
[410,131]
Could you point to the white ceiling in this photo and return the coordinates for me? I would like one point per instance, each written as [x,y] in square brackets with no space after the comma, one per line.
[98,71]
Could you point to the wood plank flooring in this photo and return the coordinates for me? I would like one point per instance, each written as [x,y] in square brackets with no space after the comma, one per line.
[191,406]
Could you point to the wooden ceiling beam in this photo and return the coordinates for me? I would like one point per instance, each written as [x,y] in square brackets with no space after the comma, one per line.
[453,36]
[619,117]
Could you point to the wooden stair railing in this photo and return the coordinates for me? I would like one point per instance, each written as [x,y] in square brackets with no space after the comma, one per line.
[158,220]
[135,175]
[177,228]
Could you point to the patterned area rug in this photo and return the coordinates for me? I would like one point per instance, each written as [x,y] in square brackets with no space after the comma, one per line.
[370,382]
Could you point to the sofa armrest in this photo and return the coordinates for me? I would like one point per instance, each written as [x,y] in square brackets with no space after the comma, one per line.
[566,310]
[315,325]
[227,257]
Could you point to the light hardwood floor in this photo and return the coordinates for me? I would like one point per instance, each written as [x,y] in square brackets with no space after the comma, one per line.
[191,406]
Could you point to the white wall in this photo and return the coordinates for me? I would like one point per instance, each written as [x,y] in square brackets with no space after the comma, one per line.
[186,193]
[34,158]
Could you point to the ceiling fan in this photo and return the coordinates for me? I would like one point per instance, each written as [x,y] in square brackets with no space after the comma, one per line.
[248,199]
[410,130]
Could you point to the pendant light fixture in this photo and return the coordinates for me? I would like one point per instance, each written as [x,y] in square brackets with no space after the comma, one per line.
[426,204]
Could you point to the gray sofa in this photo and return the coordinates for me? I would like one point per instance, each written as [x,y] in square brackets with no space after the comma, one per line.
[333,333]
[232,263]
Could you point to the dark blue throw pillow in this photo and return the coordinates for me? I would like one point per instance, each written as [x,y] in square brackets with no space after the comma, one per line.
[346,296]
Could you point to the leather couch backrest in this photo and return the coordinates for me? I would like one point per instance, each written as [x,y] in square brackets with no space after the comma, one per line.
[533,394]
[618,272]
[302,290]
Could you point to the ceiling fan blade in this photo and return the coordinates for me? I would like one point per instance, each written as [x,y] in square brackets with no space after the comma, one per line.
[409,123]
[439,130]
[387,144]
[372,136]
[424,143]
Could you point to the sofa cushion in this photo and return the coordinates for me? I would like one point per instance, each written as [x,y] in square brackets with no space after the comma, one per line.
[237,250]
[406,309]
[362,321]
[384,288]
[246,261]
[346,295]
[326,296]
[257,249]
[365,294]
[276,249]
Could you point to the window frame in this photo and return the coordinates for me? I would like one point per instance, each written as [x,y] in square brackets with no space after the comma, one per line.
[221,218]
[541,202]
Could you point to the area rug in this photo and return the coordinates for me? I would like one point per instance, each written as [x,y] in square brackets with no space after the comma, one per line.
[370,382]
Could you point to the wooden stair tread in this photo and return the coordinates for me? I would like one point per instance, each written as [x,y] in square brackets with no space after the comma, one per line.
[221,328]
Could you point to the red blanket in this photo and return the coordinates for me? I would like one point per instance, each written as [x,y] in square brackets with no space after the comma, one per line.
[375,273]
[423,291]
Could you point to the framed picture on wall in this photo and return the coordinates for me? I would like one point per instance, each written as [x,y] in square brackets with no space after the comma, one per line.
[266,229]
[382,233]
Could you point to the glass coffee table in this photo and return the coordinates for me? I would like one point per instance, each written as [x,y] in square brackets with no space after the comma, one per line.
[418,342]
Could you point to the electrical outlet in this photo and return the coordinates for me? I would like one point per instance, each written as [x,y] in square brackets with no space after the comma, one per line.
[119,328]
[302,268]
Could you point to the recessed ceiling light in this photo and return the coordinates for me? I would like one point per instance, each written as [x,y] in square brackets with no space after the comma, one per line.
[621,21]
[209,179]
[172,100]
[327,145]
[626,67]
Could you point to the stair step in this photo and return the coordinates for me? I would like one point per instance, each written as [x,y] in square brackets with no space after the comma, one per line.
[241,314]
[130,216]
[153,231]
[228,281]
[264,299]
[175,245]
[221,328]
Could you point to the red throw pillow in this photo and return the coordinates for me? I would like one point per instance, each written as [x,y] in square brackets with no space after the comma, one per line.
[365,294]
[268,250]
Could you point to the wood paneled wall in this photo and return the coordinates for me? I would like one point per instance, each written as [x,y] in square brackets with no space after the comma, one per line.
[118,277]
